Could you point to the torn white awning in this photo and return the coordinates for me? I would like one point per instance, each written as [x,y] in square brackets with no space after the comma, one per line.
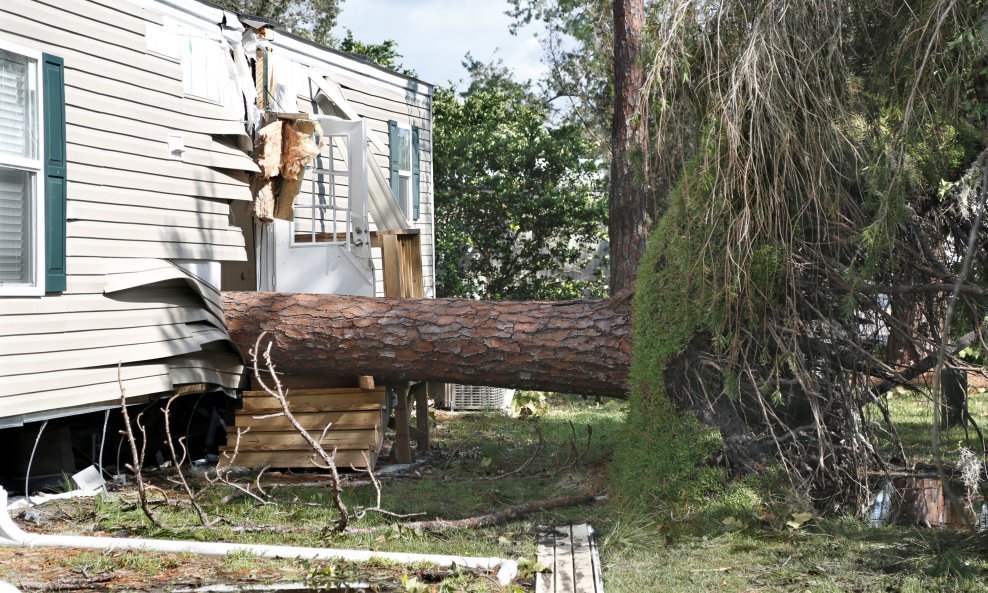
[383,206]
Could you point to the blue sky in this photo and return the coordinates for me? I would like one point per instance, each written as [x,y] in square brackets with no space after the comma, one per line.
[434,35]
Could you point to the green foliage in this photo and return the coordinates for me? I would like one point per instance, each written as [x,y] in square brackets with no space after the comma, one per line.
[663,462]
[578,50]
[520,209]
[384,54]
[311,19]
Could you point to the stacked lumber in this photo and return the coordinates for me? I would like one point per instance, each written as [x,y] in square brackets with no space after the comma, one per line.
[354,416]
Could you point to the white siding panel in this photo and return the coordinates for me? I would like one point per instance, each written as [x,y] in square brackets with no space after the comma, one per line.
[22,364]
[67,401]
[66,19]
[56,323]
[109,159]
[156,148]
[115,13]
[79,210]
[230,236]
[143,70]
[131,9]
[132,301]
[85,99]
[95,175]
[220,368]
[113,248]
[154,98]
[78,378]
[118,196]
[110,122]
[85,340]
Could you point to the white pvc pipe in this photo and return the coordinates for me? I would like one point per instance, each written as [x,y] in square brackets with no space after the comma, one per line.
[12,535]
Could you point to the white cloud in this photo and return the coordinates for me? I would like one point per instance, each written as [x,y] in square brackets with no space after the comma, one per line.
[434,35]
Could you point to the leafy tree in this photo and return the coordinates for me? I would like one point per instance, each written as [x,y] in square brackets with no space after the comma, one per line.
[312,19]
[518,201]
[578,49]
[383,54]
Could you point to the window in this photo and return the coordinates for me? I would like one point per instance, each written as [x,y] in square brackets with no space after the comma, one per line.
[405,168]
[322,207]
[32,172]
[21,175]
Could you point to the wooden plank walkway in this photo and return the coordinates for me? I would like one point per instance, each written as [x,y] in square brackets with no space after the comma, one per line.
[570,552]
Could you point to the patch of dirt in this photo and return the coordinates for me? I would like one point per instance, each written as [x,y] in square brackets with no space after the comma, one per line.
[57,569]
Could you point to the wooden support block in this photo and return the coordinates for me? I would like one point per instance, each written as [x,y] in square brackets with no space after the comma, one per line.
[314,421]
[308,403]
[403,450]
[422,418]
[365,382]
[293,441]
[345,458]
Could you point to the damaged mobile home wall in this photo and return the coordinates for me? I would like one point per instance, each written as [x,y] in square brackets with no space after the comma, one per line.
[326,82]
[152,164]
[159,110]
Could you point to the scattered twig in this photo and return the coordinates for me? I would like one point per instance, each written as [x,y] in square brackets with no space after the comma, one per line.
[277,392]
[223,475]
[138,459]
[179,460]
[360,514]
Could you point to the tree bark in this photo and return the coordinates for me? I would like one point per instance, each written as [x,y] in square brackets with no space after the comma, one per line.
[629,207]
[579,347]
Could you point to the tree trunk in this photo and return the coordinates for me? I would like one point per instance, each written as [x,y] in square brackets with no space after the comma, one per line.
[568,346]
[629,207]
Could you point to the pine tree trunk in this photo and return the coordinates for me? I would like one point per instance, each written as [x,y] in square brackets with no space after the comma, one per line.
[629,207]
[569,346]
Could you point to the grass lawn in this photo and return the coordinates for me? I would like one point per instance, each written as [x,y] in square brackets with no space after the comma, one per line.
[481,463]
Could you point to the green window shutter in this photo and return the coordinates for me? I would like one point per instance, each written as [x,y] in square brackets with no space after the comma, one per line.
[53,80]
[393,143]
[416,177]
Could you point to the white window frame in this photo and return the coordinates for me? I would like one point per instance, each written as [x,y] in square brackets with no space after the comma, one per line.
[325,175]
[36,166]
[405,175]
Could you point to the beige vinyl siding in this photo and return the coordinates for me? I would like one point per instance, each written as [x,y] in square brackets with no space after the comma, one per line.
[55,402]
[131,208]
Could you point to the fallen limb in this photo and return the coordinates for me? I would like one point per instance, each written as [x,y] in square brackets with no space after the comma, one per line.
[497,518]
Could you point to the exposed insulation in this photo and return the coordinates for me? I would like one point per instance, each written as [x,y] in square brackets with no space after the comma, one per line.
[269,148]
[298,146]
[264,193]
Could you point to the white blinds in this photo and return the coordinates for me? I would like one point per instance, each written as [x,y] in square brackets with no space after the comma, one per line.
[18,117]
[18,147]
[15,225]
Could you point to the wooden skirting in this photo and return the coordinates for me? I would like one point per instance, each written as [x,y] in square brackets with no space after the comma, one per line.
[355,416]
